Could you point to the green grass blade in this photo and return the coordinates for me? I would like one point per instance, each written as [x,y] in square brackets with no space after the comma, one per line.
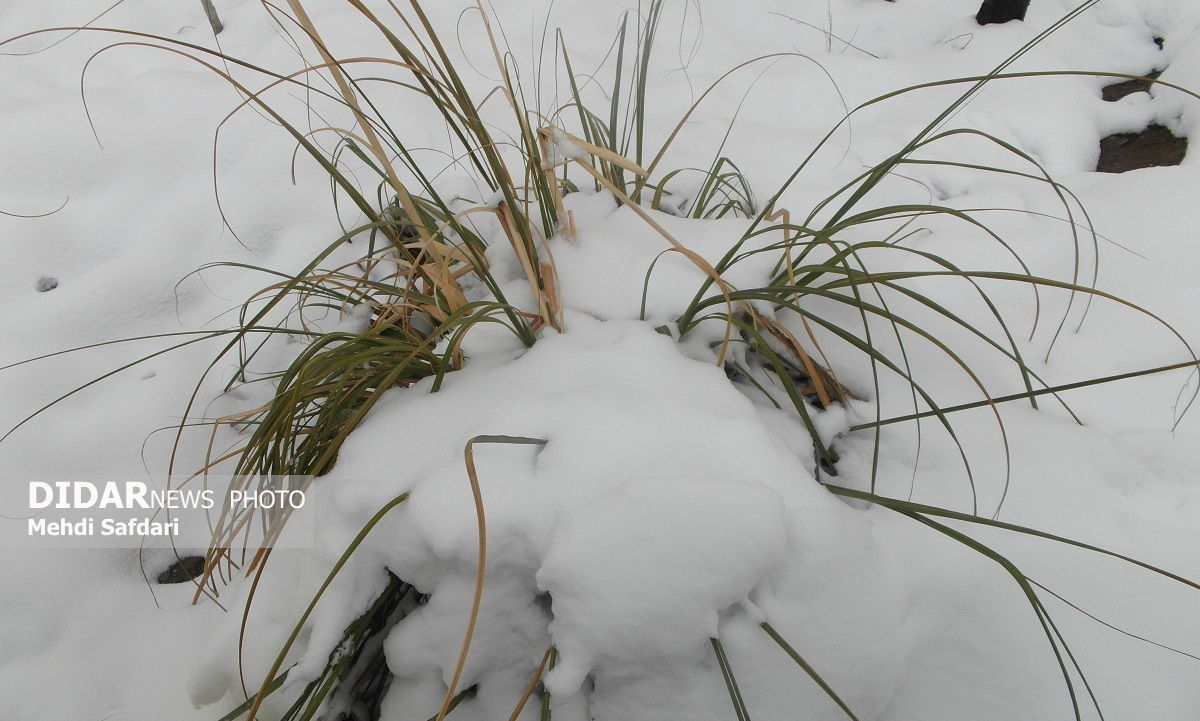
[808,669]
[735,694]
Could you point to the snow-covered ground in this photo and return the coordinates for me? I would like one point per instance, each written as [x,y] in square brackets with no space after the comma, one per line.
[666,507]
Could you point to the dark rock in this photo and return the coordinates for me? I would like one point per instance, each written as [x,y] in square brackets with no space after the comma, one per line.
[183,570]
[994,12]
[1152,148]
[45,283]
[1116,91]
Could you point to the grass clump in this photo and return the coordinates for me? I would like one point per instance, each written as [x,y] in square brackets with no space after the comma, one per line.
[423,283]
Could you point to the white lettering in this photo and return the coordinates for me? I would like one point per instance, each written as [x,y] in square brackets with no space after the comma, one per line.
[34,501]
[111,497]
[135,491]
[80,488]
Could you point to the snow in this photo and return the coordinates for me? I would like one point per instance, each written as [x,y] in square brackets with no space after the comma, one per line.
[666,506]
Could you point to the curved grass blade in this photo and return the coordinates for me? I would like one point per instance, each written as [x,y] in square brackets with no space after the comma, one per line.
[473,477]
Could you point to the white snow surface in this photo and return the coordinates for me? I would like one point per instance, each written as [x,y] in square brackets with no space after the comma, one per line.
[666,506]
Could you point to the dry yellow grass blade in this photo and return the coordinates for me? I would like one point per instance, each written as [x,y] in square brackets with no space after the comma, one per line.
[574,148]
[372,143]
[553,299]
[481,520]
[473,477]
[821,379]
[509,92]
[529,264]
[821,376]
[532,685]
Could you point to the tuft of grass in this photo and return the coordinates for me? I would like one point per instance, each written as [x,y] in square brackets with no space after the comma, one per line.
[422,283]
